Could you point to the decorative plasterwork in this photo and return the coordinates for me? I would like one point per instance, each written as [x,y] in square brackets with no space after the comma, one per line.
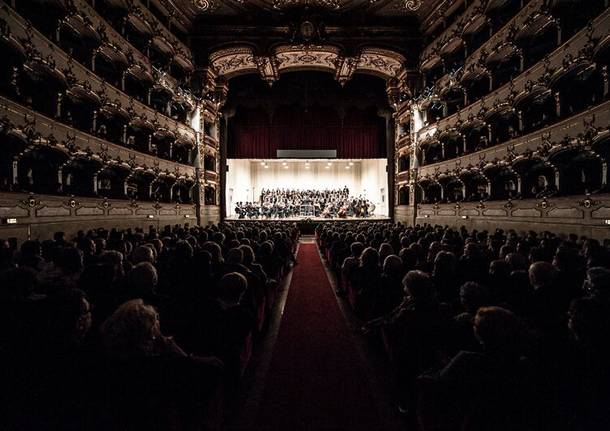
[230,62]
[233,61]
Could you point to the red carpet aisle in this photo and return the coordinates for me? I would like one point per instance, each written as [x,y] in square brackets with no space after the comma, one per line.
[316,380]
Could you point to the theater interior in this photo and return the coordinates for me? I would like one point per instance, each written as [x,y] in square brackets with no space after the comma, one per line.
[376,215]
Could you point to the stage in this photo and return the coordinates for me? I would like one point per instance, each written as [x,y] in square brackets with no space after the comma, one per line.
[307,225]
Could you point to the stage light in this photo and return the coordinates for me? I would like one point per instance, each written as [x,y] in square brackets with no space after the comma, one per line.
[285,167]
[284,163]
[329,163]
[266,166]
[347,167]
[263,163]
[351,163]
[327,167]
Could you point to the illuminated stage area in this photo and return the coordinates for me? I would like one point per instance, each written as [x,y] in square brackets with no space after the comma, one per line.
[358,183]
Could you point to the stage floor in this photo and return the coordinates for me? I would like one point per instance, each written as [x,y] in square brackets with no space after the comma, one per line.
[310,219]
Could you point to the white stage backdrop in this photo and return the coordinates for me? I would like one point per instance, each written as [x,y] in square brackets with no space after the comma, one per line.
[366,177]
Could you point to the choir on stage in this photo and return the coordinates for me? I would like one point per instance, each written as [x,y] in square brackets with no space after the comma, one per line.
[292,203]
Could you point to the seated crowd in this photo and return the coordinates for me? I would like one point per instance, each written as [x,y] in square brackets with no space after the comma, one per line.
[86,323]
[482,330]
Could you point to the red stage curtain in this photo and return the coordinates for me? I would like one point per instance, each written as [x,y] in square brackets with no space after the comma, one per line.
[256,134]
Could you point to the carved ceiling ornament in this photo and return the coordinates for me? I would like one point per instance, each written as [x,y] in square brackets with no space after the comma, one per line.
[239,60]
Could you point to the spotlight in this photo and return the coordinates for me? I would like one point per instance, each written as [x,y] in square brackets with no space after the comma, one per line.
[306,166]
[351,163]
[347,167]
[284,163]
[263,163]
[327,167]
[285,167]
[266,166]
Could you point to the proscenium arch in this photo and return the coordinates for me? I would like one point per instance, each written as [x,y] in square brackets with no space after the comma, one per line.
[232,61]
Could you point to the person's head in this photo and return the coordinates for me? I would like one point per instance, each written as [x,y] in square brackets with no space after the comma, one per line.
[392,266]
[588,321]
[472,296]
[142,253]
[70,260]
[214,249]
[357,248]
[69,315]
[566,259]
[542,275]
[385,250]
[232,287]
[369,258]
[131,330]
[248,254]
[516,261]
[418,285]
[235,256]
[143,280]
[445,264]
[597,281]
[183,251]
[498,330]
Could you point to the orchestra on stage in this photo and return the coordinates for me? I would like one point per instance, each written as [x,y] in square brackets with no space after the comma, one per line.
[293,203]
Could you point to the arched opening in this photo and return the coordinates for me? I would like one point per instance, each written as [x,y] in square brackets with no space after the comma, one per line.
[433,152]
[505,182]
[539,179]
[476,83]
[12,143]
[537,109]
[161,98]
[575,88]
[501,11]
[504,63]
[432,191]
[476,31]
[79,108]
[139,135]
[110,181]
[476,186]
[78,176]
[112,121]
[137,31]
[404,163]
[38,169]
[183,151]
[78,38]
[162,188]
[454,190]
[452,144]
[110,63]
[43,86]
[137,82]
[13,56]
[538,37]
[209,162]
[138,185]
[163,143]
[453,98]
[161,52]
[503,122]
[209,195]
[403,195]
[182,192]
[475,135]
[580,171]
[43,14]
